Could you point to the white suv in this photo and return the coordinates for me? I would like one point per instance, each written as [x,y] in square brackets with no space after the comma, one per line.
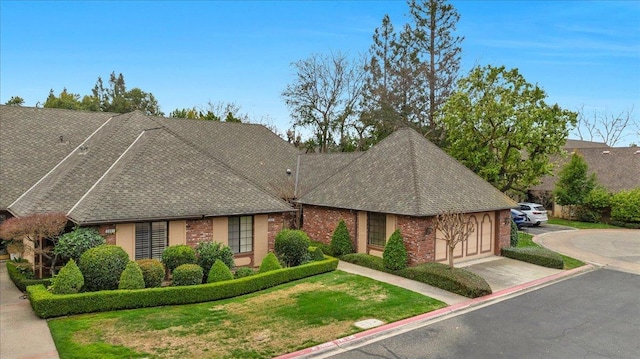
[536,214]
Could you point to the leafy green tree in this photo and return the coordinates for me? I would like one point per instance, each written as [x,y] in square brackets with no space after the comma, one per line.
[215,111]
[626,206]
[116,98]
[574,183]
[15,101]
[500,126]
[66,100]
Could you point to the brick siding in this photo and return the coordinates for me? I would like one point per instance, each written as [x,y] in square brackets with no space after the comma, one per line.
[275,225]
[421,248]
[199,230]
[504,230]
[109,238]
[320,222]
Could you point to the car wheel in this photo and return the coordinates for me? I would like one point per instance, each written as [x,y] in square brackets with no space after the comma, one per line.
[537,224]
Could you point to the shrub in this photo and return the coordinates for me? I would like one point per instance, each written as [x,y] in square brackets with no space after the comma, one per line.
[48,305]
[208,252]
[326,248]
[395,255]
[455,280]
[73,244]
[21,275]
[341,243]
[69,280]
[625,206]
[152,272]
[292,247]
[102,267]
[187,274]
[514,234]
[594,203]
[244,272]
[175,256]
[131,277]
[535,255]
[316,253]
[219,272]
[269,263]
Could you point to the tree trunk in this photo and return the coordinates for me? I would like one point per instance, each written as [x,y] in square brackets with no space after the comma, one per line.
[451,256]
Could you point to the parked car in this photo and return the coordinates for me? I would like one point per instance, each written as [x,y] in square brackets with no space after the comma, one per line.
[520,218]
[536,213]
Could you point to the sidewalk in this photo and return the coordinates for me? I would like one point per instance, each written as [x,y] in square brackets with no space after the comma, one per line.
[22,334]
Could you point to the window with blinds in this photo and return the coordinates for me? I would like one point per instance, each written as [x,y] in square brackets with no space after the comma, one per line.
[376,229]
[241,234]
[151,240]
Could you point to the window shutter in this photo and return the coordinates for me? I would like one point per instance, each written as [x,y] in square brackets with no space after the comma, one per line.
[143,245]
[158,239]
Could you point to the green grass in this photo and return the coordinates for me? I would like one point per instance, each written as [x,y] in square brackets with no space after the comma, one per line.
[580,225]
[526,240]
[279,320]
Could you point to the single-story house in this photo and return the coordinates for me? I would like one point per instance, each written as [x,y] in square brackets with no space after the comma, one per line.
[148,182]
[616,168]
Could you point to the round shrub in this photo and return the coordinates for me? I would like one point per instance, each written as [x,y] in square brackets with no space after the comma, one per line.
[208,252]
[175,256]
[131,277]
[395,256]
[341,243]
[102,267]
[244,272]
[152,272]
[187,274]
[292,247]
[219,272]
[316,253]
[69,280]
[71,245]
[514,234]
[269,263]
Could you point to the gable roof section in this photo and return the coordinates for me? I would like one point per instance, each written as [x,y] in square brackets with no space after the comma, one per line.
[34,140]
[316,168]
[162,177]
[251,150]
[63,186]
[406,174]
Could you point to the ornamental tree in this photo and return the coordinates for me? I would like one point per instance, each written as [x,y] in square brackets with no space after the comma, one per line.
[455,229]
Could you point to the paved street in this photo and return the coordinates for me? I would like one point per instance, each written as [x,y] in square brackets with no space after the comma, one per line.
[594,315]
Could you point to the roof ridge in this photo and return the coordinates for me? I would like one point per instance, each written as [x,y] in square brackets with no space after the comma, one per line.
[414,165]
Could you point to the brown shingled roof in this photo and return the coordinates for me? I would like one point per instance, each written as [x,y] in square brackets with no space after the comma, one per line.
[406,174]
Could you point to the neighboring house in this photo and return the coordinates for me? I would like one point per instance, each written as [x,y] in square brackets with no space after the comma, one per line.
[149,182]
[616,168]
[402,183]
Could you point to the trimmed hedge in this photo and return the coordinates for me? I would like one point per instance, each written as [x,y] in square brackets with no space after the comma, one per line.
[175,256]
[21,280]
[132,277]
[535,255]
[326,248]
[187,274]
[292,247]
[454,280]
[102,267]
[243,272]
[395,255]
[269,263]
[219,272]
[49,305]
[439,275]
[341,243]
[316,253]
[152,272]
[69,280]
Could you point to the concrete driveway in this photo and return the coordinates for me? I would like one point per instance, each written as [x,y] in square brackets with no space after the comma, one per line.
[614,248]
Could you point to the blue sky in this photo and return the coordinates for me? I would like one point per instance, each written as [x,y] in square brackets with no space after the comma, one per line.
[188,53]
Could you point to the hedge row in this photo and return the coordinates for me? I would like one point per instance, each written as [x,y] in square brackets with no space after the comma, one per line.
[535,255]
[48,305]
[21,280]
[439,275]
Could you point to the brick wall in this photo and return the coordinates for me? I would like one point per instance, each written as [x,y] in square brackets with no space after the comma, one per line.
[421,247]
[275,224]
[504,230]
[109,238]
[199,230]
[320,222]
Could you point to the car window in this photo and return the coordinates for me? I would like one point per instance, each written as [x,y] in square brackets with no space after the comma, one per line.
[525,208]
[539,208]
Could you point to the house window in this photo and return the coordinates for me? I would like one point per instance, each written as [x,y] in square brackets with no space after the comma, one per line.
[151,240]
[376,229]
[241,234]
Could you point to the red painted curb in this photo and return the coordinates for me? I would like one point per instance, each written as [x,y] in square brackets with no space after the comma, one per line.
[435,313]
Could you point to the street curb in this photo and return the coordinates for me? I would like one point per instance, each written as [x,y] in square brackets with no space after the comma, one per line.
[335,345]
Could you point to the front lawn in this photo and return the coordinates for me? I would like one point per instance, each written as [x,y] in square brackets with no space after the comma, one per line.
[580,225]
[526,240]
[276,321]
